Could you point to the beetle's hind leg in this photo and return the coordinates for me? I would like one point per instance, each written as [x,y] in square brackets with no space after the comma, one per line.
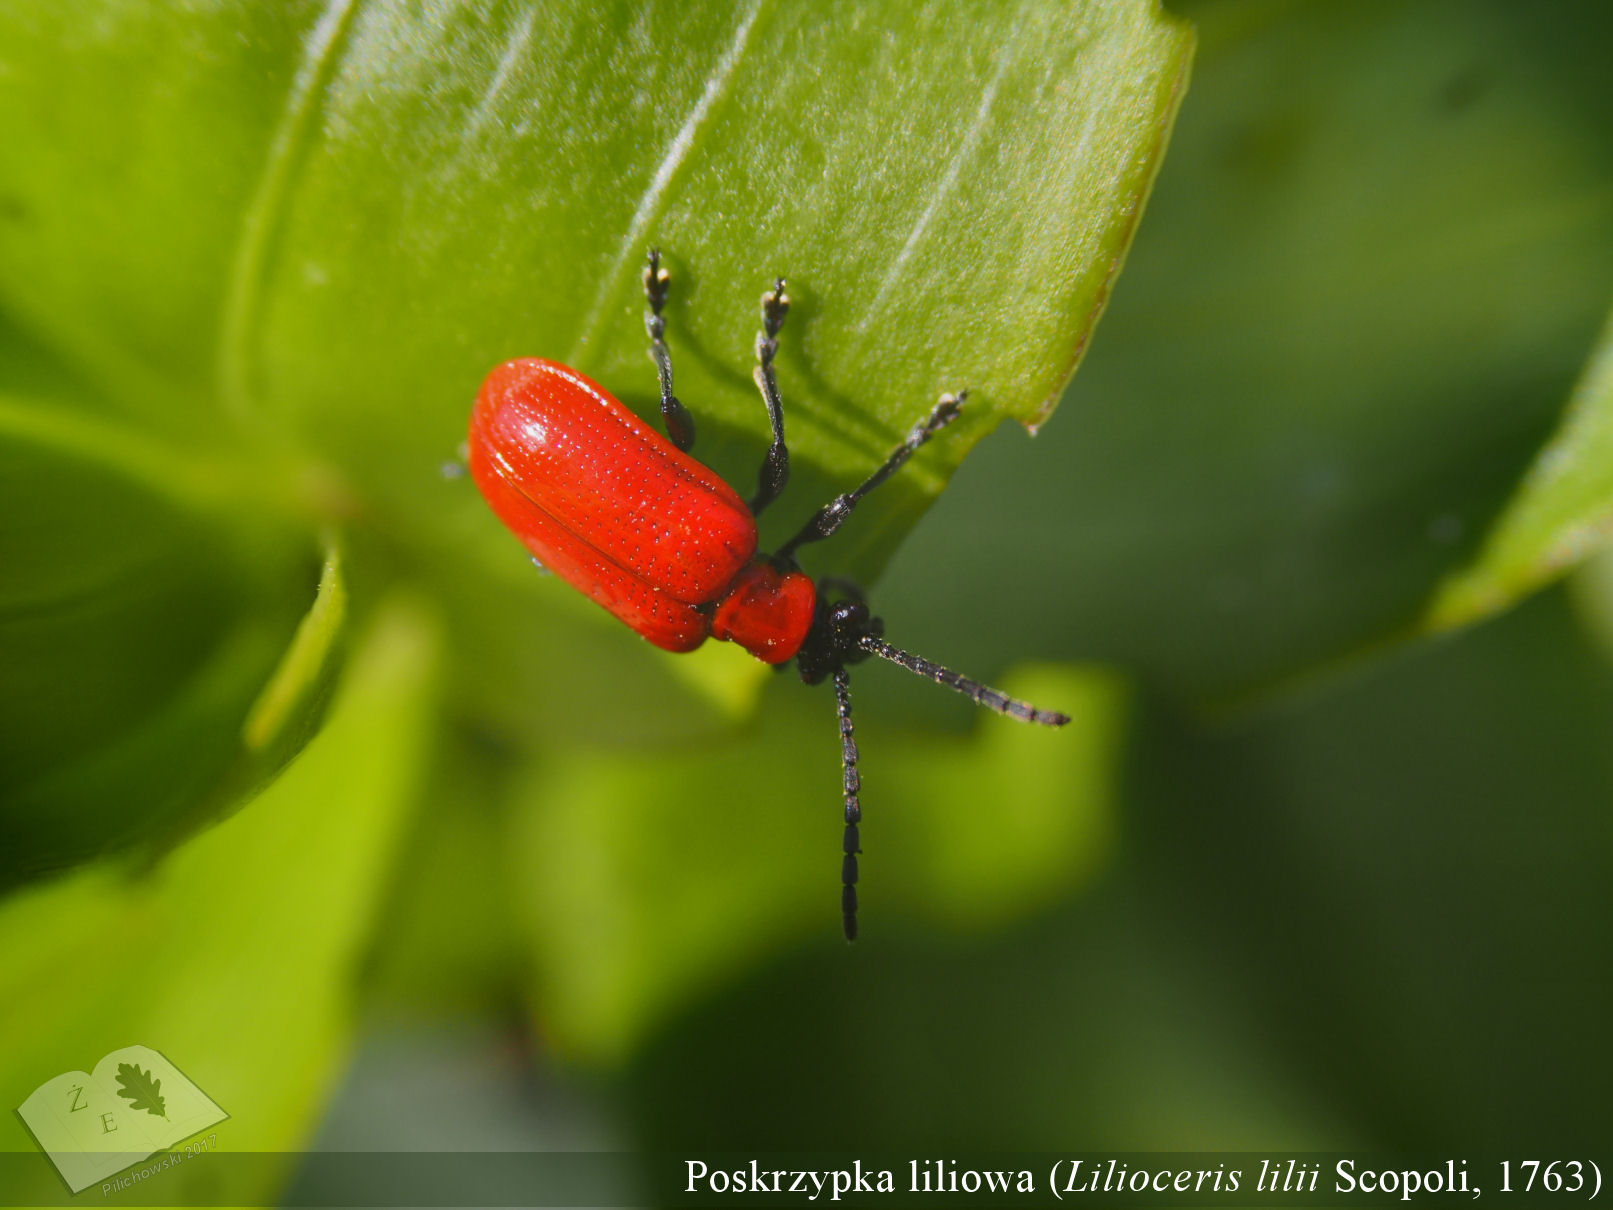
[775,472]
[833,514]
[657,281]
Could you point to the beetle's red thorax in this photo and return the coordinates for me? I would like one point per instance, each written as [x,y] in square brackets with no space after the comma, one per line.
[767,612]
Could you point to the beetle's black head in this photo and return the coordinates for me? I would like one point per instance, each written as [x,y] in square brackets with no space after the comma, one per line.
[838,627]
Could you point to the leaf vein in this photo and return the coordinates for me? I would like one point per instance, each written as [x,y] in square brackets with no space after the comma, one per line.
[244,295]
[650,200]
[945,186]
[517,43]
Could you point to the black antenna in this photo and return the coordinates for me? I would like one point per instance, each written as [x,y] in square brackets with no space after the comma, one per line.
[852,783]
[983,695]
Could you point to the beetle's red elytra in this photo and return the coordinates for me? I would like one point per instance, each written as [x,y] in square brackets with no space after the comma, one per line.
[628,518]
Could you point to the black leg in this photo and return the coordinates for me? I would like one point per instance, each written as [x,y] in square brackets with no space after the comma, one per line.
[833,514]
[852,785]
[679,424]
[984,695]
[775,471]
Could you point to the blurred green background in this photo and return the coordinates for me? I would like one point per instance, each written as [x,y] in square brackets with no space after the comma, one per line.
[310,782]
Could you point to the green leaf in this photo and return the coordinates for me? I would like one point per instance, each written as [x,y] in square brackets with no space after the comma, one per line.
[235,954]
[643,879]
[1371,270]
[290,706]
[330,221]
[140,1090]
[141,620]
[536,663]
[451,944]
[474,188]
[423,194]
[1561,512]
[135,139]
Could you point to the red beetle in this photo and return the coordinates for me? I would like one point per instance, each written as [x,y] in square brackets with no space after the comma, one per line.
[628,518]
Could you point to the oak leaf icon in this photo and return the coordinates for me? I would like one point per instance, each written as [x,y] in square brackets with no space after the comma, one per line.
[141,1090]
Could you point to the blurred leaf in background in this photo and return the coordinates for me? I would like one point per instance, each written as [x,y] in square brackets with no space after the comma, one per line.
[1371,275]
[143,616]
[237,956]
[644,879]
[1560,512]
[1377,922]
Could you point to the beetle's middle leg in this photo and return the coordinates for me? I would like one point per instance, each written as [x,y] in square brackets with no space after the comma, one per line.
[775,471]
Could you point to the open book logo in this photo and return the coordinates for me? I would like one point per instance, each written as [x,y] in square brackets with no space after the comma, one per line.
[134,1104]
[142,1091]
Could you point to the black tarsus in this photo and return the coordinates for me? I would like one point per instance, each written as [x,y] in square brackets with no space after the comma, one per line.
[679,424]
[851,785]
[984,695]
[775,472]
[833,514]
